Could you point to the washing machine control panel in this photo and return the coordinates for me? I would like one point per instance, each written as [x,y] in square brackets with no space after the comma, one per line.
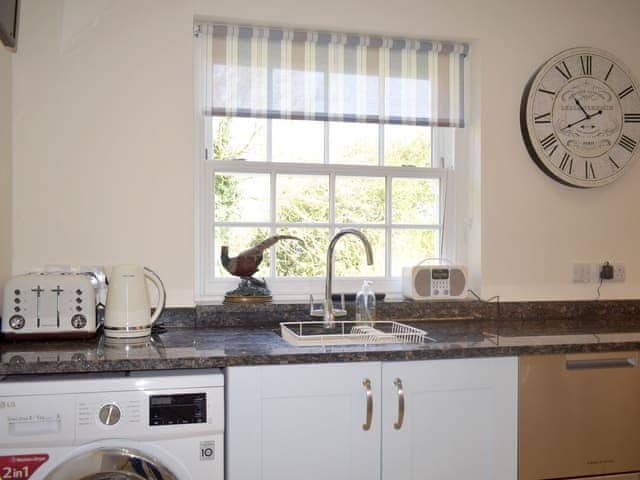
[149,414]
[146,406]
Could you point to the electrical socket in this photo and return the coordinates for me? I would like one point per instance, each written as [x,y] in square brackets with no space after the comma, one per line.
[582,272]
[619,272]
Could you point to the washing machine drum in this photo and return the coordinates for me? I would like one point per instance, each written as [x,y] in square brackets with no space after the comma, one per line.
[112,464]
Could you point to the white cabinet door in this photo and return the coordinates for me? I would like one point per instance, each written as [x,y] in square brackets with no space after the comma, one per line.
[303,422]
[460,420]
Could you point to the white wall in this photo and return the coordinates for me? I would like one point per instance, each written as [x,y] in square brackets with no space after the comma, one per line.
[5,166]
[103,151]
[103,132]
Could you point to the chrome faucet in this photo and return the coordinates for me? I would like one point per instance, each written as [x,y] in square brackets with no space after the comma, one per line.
[329,316]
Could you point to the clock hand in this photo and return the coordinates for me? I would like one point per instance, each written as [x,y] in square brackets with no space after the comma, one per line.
[582,108]
[588,117]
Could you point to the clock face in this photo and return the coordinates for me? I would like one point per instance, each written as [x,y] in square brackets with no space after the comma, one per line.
[580,118]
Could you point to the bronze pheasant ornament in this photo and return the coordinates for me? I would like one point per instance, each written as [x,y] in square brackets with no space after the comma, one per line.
[247,262]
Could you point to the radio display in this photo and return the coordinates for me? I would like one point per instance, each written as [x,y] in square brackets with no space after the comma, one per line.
[177,409]
[440,274]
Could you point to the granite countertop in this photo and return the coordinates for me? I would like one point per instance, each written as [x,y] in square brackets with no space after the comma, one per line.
[206,345]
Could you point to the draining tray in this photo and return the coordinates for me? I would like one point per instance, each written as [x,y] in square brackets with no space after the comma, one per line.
[348,333]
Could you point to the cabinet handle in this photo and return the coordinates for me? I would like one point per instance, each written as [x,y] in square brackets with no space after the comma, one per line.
[398,383]
[593,363]
[367,385]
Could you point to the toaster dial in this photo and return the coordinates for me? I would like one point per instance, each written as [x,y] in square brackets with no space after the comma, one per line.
[16,322]
[78,321]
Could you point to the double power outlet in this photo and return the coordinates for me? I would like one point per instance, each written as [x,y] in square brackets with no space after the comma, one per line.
[584,272]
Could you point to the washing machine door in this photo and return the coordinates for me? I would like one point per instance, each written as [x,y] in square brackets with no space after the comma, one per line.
[112,464]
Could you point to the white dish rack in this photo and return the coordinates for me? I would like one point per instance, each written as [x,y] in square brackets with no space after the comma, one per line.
[314,333]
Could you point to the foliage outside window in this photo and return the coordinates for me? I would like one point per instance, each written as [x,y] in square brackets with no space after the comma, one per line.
[332,178]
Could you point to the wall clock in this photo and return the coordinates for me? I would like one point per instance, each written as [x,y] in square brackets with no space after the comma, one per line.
[580,118]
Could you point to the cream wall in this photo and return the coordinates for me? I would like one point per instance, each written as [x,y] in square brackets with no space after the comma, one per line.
[5,166]
[103,124]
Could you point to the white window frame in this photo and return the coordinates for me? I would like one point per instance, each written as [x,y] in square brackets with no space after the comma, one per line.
[445,145]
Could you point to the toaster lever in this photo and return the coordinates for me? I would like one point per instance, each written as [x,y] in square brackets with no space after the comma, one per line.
[38,291]
[57,291]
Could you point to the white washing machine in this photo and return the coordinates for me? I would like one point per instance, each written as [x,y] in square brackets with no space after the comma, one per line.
[166,425]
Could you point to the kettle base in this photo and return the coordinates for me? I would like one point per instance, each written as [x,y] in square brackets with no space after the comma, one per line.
[127,332]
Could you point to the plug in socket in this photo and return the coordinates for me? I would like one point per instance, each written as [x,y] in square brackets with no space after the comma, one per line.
[618,273]
[606,271]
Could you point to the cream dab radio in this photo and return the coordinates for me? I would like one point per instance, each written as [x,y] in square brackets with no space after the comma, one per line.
[433,282]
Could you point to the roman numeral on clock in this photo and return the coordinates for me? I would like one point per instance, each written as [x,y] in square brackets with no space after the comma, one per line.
[589,172]
[549,92]
[566,161]
[632,118]
[585,63]
[606,77]
[626,92]
[544,118]
[629,144]
[564,70]
[549,141]
[614,162]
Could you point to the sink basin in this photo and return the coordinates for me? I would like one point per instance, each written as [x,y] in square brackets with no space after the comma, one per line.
[314,333]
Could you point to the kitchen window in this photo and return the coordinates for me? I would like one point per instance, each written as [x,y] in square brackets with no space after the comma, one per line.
[271,160]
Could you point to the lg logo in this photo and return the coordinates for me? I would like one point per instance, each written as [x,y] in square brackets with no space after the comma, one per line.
[207,450]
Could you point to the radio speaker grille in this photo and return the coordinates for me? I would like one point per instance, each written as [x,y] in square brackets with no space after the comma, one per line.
[457,282]
[423,282]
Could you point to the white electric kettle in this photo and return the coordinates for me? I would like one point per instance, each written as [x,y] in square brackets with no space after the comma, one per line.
[128,310]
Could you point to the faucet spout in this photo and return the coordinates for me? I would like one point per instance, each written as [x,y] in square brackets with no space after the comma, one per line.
[329,317]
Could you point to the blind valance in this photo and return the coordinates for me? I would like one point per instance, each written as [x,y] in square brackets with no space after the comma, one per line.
[281,73]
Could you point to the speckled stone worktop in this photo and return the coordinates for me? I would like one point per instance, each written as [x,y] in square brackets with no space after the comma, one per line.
[220,336]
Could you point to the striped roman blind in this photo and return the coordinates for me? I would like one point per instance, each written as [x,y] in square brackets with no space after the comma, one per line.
[281,73]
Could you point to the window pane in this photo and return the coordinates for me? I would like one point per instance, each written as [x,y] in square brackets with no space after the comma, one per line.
[360,199]
[409,247]
[241,197]
[296,260]
[407,145]
[302,198]
[350,259]
[354,143]
[235,138]
[298,141]
[239,239]
[414,201]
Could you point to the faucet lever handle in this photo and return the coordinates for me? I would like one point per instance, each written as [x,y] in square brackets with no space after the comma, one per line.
[313,310]
[317,310]
[342,311]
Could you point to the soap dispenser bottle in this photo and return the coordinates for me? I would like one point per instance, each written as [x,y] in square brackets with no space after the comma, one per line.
[366,304]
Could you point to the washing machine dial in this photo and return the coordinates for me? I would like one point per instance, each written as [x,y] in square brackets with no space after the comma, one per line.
[109,414]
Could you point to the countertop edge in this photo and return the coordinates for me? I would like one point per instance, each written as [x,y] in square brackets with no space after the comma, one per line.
[439,352]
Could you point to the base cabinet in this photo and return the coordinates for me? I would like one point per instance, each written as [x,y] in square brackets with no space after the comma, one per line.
[437,419]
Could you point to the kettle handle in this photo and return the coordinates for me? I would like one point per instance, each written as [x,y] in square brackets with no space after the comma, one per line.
[162,293]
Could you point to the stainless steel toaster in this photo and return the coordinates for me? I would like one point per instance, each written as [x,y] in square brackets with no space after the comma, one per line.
[46,305]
